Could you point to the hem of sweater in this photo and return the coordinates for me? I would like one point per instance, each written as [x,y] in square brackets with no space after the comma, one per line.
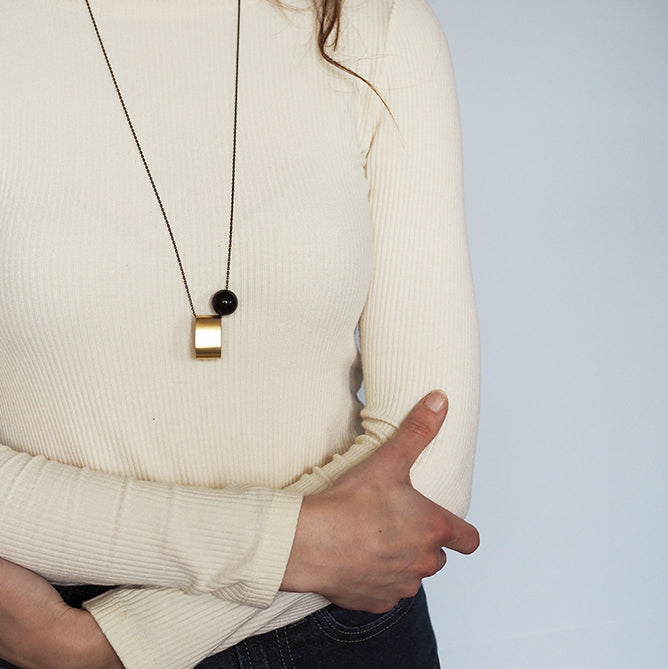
[144,634]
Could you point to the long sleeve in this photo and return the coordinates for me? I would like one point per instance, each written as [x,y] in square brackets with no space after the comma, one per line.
[418,332]
[89,527]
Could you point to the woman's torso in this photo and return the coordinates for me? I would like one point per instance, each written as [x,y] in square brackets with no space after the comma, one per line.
[95,329]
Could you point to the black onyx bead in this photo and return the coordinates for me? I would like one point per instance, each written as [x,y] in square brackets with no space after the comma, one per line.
[224,302]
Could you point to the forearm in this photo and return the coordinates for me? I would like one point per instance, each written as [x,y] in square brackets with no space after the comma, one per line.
[75,525]
[158,628]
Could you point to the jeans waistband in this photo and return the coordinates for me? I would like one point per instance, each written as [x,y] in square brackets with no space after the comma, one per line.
[76,595]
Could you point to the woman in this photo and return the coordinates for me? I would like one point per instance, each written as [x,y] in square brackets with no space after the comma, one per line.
[204,487]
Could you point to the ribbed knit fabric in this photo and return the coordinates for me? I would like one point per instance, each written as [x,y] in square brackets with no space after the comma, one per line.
[126,461]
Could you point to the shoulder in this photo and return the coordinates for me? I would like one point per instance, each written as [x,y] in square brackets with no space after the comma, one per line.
[408,18]
[415,39]
[412,12]
[405,34]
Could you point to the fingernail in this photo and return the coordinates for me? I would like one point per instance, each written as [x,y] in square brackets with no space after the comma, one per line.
[436,401]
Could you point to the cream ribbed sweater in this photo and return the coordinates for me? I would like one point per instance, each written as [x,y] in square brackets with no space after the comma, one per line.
[123,459]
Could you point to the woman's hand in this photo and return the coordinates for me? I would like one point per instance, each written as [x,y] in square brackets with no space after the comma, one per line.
[371,538]
[39,631]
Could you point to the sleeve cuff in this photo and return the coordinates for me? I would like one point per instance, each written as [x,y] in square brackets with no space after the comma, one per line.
[271,555]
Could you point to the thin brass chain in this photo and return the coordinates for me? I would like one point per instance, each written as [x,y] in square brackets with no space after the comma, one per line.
[148,171]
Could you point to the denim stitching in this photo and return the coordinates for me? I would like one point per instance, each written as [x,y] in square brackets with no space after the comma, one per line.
[390,623]
[287,644]
[278,645]
[381,623]
[250,662]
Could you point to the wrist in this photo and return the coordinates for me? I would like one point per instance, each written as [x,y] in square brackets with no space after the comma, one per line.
[89,648]
[309,565]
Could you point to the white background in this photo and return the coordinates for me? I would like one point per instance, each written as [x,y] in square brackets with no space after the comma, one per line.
[565,112]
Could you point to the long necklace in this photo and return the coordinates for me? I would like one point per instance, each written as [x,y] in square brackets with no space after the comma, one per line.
[208,328]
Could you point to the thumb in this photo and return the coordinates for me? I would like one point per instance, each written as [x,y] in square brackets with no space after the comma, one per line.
[419,428]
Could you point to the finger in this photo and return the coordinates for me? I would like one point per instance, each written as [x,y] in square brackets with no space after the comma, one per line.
[419,427]
[459,535]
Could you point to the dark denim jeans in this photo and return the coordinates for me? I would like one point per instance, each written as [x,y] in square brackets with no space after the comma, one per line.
[335,638]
